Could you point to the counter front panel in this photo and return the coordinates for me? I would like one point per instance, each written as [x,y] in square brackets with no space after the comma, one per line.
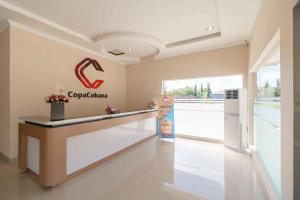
[86,149]
[56,153]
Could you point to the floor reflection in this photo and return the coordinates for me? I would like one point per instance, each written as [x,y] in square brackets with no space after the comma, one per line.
[199,169]
[210,171]
[155,169]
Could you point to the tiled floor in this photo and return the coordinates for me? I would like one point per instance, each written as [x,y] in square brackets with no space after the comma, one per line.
[152,170]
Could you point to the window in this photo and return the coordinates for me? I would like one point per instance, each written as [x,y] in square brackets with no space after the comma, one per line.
[199,105]
[267,128]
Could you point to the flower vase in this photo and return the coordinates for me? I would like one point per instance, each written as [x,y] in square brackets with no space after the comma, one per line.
[57,111]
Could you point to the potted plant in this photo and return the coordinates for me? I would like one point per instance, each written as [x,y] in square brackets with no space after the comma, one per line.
[57,106]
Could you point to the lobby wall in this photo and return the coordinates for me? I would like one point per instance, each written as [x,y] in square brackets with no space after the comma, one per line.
[144,80]
[5,92]
[39,64]
[277,15]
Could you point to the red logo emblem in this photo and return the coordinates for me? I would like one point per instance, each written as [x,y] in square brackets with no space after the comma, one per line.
[79,69]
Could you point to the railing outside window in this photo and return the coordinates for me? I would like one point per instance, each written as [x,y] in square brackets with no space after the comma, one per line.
[200,118]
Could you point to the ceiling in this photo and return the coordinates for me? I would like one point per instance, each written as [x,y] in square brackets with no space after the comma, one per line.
[139,28]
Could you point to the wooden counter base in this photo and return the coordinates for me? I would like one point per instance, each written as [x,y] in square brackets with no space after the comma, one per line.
[53,146]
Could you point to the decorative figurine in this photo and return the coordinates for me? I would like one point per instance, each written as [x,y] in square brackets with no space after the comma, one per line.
[110,110]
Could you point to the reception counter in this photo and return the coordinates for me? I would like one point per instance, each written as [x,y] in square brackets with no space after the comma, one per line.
[58,150]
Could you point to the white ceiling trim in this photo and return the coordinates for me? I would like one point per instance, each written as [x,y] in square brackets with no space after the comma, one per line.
[3,25]
[187,52]
[143,38]
[43,20]
[193,40]
[7,22]
[60,40]
[269,50]
[41,25]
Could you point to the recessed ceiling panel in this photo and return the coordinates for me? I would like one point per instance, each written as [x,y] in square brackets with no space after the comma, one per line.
[169,20]
[162,28]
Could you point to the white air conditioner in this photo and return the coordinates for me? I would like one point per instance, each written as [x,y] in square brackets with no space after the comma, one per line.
[235,119]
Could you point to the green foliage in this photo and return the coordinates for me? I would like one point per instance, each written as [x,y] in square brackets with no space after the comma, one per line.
[208,91]
[277,89]
[269,91]
[202,93]
[186,91]
[196,91]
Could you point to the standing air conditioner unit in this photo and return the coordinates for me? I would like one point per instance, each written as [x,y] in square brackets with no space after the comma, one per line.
[235,119]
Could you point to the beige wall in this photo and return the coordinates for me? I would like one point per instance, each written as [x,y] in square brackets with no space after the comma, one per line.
[39,64]
[5,93]
[144,80]
[274,15]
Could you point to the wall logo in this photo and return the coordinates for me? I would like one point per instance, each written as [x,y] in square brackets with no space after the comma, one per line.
[79,72]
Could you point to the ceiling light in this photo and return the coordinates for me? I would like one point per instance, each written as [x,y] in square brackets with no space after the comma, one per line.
[210,28]
[129,49]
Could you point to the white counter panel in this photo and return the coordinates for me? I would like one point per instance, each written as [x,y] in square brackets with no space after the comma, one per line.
[33,154]
[85,149]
